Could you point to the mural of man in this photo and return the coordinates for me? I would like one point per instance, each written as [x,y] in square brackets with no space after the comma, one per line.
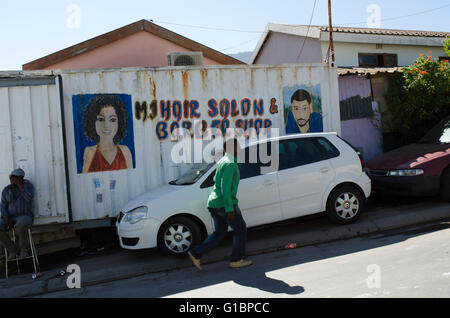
[302,118]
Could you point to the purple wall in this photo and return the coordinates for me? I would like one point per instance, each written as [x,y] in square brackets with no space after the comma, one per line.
[361,133]
[284,48]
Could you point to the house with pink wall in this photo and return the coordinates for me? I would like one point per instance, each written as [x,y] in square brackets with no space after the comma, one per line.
[140,44]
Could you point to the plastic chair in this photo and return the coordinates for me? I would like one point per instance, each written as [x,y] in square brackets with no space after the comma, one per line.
[33,254]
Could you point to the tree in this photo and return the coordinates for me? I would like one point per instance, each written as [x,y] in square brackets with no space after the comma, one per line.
[447,46]
[419,98]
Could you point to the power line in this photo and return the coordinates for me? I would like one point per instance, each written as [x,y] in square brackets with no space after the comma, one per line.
[307,32]
[400,17]
[261,32]
[240,44]
[206,27]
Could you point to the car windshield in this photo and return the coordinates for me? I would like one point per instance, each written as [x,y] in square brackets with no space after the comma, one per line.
[195,172]
[440,134]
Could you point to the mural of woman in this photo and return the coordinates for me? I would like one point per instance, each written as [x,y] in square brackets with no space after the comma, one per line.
[105,123]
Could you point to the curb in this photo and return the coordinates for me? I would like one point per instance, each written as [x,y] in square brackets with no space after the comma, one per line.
[322,232]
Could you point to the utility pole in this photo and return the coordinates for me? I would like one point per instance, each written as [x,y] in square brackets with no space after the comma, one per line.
[331,34]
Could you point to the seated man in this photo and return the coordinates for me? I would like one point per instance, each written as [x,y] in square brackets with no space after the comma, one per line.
[16,211]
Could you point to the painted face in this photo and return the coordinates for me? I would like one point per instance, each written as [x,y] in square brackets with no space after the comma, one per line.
[107,124]
[302,112]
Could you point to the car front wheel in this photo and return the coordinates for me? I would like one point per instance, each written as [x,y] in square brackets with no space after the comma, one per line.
[178,235]
[345,205]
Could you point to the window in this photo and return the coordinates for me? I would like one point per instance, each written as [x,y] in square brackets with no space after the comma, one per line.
[255,157]
[377,60]
[328,148]
[209,182]
[299,152]
[368,60]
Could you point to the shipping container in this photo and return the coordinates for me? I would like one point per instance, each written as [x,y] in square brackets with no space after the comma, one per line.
[31,138]
[94,139]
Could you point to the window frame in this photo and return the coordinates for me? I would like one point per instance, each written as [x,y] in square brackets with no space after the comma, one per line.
[320,151]
[325,152]
[380,59]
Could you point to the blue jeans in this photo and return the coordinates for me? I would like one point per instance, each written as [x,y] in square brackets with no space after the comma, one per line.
[221,228]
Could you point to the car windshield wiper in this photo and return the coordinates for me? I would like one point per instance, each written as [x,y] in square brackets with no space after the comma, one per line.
[174,182]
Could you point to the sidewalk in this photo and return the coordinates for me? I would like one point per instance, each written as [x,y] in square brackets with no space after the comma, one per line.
[126,264]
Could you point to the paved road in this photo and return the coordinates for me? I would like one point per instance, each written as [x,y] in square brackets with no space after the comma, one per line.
[411,263]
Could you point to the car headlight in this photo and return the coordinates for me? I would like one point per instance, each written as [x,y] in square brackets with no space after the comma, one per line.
[405,173]
[136,215]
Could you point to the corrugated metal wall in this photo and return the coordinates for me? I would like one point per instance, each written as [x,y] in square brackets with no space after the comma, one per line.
[31,138]
[102,194]
[360,116]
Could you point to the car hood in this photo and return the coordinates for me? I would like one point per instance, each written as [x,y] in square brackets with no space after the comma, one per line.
[152,195]
[410,156]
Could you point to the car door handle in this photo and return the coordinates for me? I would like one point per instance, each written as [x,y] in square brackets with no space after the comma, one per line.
[324,170]
[268,183]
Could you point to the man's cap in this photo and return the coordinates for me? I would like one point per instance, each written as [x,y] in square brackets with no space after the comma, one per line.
[18,173]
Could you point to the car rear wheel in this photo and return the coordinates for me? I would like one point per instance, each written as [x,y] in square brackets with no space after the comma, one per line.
[445,185]
[345,205]
[178,235]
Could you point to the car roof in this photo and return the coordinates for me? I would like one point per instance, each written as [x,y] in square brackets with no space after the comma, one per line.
[288,137]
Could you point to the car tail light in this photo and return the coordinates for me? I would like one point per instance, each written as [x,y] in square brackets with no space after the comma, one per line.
[363,164]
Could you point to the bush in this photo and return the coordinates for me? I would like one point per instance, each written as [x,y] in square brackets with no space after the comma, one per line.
[447,45]
[419,98]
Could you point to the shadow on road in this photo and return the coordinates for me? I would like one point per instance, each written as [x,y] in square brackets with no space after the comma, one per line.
[217,275]
[258,276]
[258,279]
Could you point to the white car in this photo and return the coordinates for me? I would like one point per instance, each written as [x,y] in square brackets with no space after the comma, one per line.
[316,173]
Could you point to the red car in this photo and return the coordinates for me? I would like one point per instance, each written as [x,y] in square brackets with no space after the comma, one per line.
[418,169]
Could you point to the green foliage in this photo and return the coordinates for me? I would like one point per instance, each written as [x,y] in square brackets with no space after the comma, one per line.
[447,45]
[419,98]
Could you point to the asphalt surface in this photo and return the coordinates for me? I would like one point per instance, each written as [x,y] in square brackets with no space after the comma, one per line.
[101,261]
[413,262]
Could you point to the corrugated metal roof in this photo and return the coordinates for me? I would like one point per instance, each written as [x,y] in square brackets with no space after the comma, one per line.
[369,71]
[315,31]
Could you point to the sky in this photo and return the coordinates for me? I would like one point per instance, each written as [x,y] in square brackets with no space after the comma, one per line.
[32,29]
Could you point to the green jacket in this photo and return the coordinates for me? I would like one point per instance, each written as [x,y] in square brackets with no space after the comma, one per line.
[225,185]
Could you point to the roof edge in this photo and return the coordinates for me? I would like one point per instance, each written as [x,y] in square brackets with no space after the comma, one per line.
[120,33]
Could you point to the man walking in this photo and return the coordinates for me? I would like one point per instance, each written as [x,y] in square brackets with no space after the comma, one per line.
[16,211]
[224,209]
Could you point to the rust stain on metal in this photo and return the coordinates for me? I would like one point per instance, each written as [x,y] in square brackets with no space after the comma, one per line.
[153,87]
[185,78]
[204,74]
[252,79]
